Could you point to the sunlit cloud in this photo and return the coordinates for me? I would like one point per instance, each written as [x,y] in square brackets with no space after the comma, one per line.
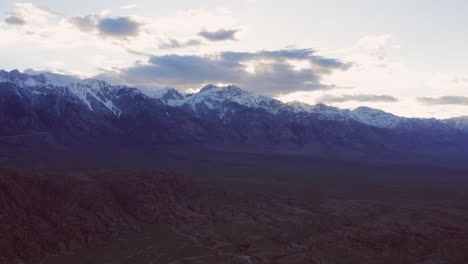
[376,71]
[130,6]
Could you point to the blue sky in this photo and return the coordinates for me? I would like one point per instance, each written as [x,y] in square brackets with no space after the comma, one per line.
[406,57]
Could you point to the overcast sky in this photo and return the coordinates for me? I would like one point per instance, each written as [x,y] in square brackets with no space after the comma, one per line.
[406,57]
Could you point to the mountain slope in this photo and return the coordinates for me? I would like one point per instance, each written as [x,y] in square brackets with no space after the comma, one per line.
[78,111]
[220,102]
[460,123]
[375,117]
[89,113]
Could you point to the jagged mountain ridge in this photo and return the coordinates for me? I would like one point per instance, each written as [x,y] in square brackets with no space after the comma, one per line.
[458,122]
[92,112]
[73,110]
[95,94]
[217,98]
[100,95]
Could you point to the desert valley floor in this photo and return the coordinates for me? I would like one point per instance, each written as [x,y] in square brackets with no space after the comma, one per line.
[235,208]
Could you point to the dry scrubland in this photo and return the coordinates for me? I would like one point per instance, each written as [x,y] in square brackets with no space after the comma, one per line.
[235,209]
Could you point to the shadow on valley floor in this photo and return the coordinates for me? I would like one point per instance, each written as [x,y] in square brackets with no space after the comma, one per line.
[232,208]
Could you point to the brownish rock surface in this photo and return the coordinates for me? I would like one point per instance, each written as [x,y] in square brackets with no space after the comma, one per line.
[54,213]
[96,217]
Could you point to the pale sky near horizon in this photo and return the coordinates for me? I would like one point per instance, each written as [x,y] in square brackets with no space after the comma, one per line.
[408,57]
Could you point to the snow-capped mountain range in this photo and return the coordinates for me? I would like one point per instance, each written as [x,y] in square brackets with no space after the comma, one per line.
[48,109]
[223,101]
[220,100]
[93,93]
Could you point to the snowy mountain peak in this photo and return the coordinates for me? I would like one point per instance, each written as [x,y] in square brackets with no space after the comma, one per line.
[169,96]
[229,89]
[212,95]
[95,94]
[369,110]
[19,78]
[222,101]
[322,111]
[458,122]
[298,107]
[318,108]
[60,80]
[208,88]
[375,117]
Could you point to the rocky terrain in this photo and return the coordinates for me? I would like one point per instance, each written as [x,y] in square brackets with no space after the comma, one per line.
[236,209]
[56,213]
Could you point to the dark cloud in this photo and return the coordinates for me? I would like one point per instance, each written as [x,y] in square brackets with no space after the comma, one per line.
[86,23]
[118,27]
[273,74]
[15,20]
[220,35]
[327,98]
[175,44]
[318,63]
[114,27]
[444,100]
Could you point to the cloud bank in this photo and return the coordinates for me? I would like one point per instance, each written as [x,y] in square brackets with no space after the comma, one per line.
[266,72]
[87,23]
[27,13]
[327,98]
[175,44]
[444,100]
[119,27]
